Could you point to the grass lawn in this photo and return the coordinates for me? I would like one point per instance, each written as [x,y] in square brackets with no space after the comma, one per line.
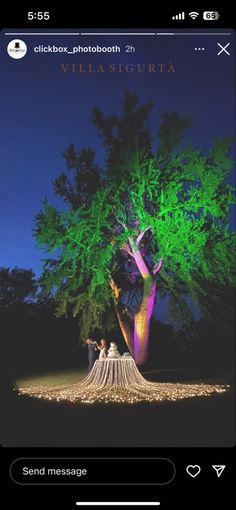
[189,422]
[53,379]
[75,376]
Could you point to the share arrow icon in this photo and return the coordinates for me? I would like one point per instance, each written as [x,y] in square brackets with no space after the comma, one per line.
[219,470]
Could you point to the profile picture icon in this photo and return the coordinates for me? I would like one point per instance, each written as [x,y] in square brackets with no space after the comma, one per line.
[17,49]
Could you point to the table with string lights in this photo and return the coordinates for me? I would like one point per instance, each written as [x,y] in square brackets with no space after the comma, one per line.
[119,381]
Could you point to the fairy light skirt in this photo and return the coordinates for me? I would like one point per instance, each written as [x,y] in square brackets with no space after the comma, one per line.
[119,381]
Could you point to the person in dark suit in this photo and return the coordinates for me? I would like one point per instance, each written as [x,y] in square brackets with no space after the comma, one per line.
[91,353]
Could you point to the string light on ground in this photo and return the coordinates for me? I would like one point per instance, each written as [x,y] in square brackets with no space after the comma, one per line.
[119,381]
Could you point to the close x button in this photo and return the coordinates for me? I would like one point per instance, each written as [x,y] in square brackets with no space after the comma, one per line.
[223,49]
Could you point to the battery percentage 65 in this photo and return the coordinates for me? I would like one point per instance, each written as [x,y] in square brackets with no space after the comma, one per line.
[211,15]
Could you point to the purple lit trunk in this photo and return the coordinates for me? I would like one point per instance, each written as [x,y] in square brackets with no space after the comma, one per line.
[142,320]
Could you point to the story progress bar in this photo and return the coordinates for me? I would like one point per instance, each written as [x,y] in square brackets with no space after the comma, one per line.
[118,503]
[117,33]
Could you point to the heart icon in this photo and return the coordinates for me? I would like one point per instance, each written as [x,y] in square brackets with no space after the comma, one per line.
[193,470]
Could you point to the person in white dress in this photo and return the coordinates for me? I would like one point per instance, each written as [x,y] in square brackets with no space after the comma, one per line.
[102,348]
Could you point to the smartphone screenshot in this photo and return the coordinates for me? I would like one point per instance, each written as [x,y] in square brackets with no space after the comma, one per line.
[117,262]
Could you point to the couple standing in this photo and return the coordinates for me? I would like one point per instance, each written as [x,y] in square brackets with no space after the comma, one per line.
[93,347]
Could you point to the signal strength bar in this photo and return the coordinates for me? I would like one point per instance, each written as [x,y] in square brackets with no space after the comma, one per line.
[179,16]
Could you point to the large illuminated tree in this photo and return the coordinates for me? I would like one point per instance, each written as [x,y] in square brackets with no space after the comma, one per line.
[158,225]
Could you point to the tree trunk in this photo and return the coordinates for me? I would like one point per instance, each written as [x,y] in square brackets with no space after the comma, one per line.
[125,329]
[139,345]
[142,320]
[123,322]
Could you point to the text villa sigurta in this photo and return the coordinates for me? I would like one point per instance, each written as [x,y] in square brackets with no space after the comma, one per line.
[89,68]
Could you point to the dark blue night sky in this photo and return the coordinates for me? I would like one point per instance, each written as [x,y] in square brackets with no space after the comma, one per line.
[44,110]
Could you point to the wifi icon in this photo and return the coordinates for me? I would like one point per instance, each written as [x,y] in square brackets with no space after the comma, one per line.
[193,15]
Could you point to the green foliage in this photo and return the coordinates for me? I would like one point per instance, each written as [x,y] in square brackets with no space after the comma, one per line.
[17,286]
[170,132]
[79,189]
[182,201]
[124,136]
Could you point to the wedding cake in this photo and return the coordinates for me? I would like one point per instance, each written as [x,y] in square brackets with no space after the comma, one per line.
[113,351]
[126,355]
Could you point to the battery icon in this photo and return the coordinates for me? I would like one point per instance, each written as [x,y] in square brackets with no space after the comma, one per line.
[211,15]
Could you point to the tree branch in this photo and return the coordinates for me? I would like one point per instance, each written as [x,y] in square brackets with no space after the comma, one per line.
[126,248]
[115,289]
[158,266]
[140,236]
[140,262]
[119,221]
